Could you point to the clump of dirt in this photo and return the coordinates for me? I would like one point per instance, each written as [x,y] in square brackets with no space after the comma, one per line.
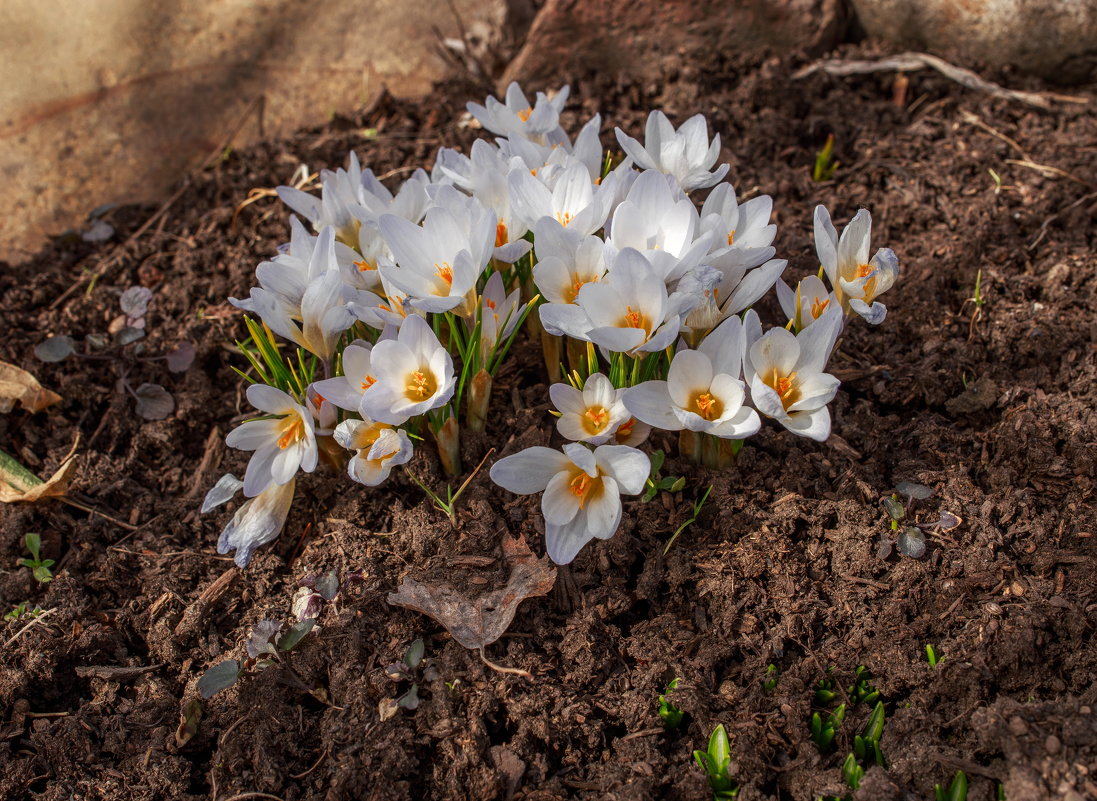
[991,404]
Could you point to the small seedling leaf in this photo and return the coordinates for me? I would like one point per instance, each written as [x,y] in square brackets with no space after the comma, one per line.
[918,492]
[948,521]
[328,585]
[181,357]
[912,542]
[128,335]
[55,349]
[259,641]
[895,509]
[219,677]
[884,547]
[188,722]
[307,604]
[154,402]
[135,302]
[414,655]
[410,699]
[296,632]
[387,708]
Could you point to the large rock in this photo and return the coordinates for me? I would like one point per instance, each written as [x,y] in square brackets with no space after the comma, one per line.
[111,100]
[1056,39]
[649,40]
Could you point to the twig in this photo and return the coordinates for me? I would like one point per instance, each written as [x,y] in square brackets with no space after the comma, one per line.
[642,733]
[972,119]
[35,621]
[314,767]
[867,582]
[1044,225]
[501,669]
[911,62]
[1049,171]
[242,796]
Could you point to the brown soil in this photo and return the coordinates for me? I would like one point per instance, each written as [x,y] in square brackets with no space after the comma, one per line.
[996,415]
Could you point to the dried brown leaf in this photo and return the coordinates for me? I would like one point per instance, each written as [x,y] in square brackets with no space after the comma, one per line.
[19,386]
[19,484]
[478,622]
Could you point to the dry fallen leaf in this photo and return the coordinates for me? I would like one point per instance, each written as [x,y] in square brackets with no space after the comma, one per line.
[479,622]
[19,484]
[18,385]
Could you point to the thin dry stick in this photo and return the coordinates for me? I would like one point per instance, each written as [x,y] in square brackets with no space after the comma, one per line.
[34,622]
[314,766]
[972,119]
[242,796]
[1051,172]
[911,62]
[501,669]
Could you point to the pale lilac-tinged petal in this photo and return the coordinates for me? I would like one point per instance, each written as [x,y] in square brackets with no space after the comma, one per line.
[754,284]
[270,399]
[554,280]
[222,492]
[391,360]
[754,215]
[628,466]
[570,426]
[356,362]
[664,337]
[350,434]
[814,424]
[530,200]
[581,457]
[603,510]
[776,350]
[559,504]
[650,402]
[826,243]
[817,340]
[853,246]
[886,264]
[529,471]
[598,391]
[690,373]
[257,522]
[724,347]
[744,423]
[310,452]
[512,251]
[618,340]
[564,319]
[285,464]
[257,476]
[567,399]
[634,149]
[752,332]
[418,337]
[815,391]
[730,390]
[436,304]
[563,543]
[308,206]
[766,400]
[691,421]
[253,434]
[873,315]
[700,180]
[552,239]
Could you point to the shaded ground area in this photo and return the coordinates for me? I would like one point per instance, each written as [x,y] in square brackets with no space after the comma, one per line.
[996,415]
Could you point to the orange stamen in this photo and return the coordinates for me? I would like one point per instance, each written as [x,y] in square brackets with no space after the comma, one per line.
[365,265]
[500,234]
[420,385]
[597,417]
[863,270]
[564,218]
[523,115]
[818,307]
[633,319]
[445,272]
[293,432]
[707,406]
[369,382]
[580,487]
[625,431]
[731,237]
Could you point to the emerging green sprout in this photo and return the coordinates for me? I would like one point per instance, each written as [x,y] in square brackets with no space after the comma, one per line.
[933,657]
[716,763]
[655,482]
[405,670]
[769,683]
[862,691]
[866,745]
[697,506]
[825,165]
[39,567]
[956,791]
[824,691]
[668,711]
[823,730]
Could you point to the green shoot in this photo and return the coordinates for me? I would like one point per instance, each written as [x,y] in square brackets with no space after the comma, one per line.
[934,659]
[866,745]
[291,374]
[40,568]
[852,773]
[449,505]
[862,691]
[716,763]
[824,691]
[823,731]
[655,483]
[977,301]
[23,609]
[825,165]
[769,683]
[956,791]
[670,714]
[697,505]
[896,511]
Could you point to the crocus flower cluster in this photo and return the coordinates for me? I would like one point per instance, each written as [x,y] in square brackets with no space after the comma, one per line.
[397,308]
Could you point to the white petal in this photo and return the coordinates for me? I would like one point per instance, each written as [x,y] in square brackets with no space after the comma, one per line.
[628,466]
[528,471]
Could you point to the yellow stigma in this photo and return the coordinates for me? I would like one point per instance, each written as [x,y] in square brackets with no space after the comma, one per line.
[785,387]
[445,272]
[595,419]
[365,265]
[523,115]
[708,407]
[818,307]
[633,319]
[731,237]
[582,487]
[421,385]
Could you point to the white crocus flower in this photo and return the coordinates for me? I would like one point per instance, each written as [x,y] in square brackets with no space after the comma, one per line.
[658,220]
[627,312]
[592,414]
[499,313]
[258,521]
[340,196]
[283,443]
[807,303]
[378,448]
[566,261]
[517,118]
[346,391]
[437,264]
[414,374]
[785,373]
[574,201]
[742,234]
[857,280]
[686,153]
[582,490]
[702,392]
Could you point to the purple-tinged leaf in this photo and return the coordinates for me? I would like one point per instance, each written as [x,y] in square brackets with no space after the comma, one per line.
[154,402]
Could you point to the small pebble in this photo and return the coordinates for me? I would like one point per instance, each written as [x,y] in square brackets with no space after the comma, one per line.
[1052,744]
[1017,726]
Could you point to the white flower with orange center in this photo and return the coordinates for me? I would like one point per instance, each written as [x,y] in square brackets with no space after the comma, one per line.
[856,279]
[582,490]
[413,374]
[283,443]
[517,117]
[499,313]
[574,201]
[807,303]
[742,233]
[378,448]
[346,391]
[566,261]
[685,153]
[786,375]
[702,392]
[592,414]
